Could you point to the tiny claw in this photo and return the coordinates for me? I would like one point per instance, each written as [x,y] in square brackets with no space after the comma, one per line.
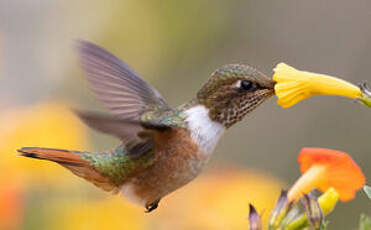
[152,206]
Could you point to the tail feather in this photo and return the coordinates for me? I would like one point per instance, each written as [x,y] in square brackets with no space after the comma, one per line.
[72,161]
[60,156]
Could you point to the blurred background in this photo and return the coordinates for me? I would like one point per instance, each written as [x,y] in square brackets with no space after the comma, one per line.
[175,45]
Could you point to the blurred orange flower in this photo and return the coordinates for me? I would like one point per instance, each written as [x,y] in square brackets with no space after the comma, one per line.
[326,168]
[47,125]
[11,204]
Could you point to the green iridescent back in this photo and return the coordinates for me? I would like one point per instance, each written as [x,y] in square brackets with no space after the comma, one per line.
[116,164]
[172,118]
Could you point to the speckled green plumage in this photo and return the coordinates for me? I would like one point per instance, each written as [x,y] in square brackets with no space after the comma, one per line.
[228,104]
[117,164]
[228,74]
[173,118]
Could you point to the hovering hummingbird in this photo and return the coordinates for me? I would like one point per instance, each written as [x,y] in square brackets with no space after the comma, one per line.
[162,148]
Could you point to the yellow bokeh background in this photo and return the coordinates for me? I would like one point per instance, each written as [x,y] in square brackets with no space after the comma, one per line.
[42,125]
[218,199]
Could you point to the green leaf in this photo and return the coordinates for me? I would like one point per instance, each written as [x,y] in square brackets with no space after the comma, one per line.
[365,223]
[367,190]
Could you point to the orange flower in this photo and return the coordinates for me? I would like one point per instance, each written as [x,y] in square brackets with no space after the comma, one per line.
[11,205]
[326,168]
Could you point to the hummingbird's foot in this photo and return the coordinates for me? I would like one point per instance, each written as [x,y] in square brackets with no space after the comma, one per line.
[152,206]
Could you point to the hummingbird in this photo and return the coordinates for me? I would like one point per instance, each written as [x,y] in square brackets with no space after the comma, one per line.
[162,148]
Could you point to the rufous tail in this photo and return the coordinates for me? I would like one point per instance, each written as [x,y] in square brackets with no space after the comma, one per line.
[72,161]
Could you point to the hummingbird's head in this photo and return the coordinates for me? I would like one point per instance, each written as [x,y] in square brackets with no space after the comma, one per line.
[233,91]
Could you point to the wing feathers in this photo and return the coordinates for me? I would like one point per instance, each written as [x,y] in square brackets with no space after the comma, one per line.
[120,89]
[126,131]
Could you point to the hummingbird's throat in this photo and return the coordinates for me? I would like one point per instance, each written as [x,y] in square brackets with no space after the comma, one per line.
[203,130]
[229,110]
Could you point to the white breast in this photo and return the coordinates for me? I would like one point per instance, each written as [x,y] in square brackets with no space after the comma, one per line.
[128,190]
[204,131]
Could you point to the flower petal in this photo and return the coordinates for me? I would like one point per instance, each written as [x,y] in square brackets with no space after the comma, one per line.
[341,173]
[294,86]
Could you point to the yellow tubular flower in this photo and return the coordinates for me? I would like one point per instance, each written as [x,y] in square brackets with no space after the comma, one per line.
[294,86]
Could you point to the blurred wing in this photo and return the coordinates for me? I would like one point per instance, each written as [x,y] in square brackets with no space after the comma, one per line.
[126,131]
[137,136]
[120,89]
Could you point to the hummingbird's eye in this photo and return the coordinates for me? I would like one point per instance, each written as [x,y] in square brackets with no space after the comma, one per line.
[247,85]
